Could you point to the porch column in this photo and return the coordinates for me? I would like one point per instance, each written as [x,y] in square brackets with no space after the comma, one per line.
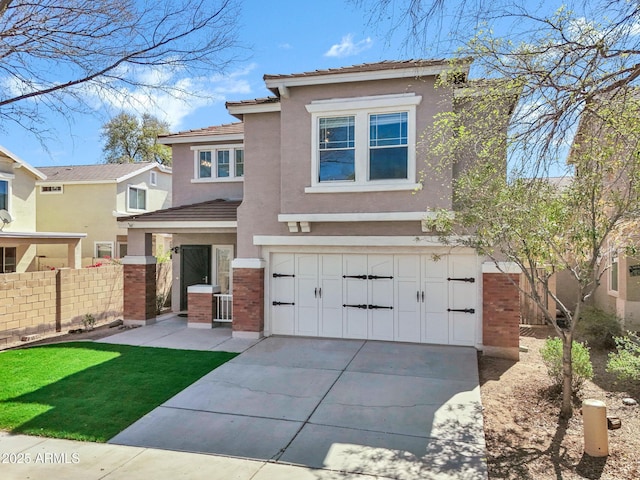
[248,297]
[139,290]
[501,311]
[74,254]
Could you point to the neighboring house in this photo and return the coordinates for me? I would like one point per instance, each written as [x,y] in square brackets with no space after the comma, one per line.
[91,198]
[19,235]
[324,221]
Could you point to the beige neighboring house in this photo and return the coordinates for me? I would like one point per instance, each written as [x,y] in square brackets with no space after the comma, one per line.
[91,199]
[19,235]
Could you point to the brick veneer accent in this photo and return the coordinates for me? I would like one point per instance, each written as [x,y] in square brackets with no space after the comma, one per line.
[248,300]
[200,308]
[139,292]
[501,315]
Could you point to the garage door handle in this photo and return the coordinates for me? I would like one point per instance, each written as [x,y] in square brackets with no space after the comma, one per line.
[376,307]
[466,279]
[376,277]
[356,306]
[463,310]
[275,304]
[278,275]
[359,277]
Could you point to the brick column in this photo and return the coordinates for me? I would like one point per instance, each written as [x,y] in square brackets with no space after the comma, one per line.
[139,290]
[248,297]
[200,304]
[500,313]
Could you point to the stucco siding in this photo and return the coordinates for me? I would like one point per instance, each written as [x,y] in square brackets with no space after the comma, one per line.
[187,192]
[22,201]
[79,209]
[258,213]
[296,163]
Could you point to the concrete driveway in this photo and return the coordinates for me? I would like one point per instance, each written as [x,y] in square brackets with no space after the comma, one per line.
[390,410]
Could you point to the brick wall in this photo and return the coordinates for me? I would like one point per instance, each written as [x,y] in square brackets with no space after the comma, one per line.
[501,315]
[200,308]
[140,292]
[248,300]
[42,302]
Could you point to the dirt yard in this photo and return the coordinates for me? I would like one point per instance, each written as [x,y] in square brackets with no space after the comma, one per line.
[526,439]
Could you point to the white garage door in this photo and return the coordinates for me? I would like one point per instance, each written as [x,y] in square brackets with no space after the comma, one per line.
[406,298]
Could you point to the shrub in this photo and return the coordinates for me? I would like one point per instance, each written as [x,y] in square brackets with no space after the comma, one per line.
[625,362]
[581,361]
[598,328]
[89,321]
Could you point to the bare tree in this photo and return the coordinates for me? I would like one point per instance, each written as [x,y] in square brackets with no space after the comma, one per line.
[66,56]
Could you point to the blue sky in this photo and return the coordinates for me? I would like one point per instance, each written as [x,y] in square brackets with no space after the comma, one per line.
[285,36]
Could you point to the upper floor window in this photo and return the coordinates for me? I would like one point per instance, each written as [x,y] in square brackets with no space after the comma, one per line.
[51,189]
[364,144]
[4,195]
[137,198]
[613,269]
[218,163]
[153,178]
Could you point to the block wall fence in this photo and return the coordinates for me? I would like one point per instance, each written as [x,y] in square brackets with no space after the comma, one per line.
[53,301]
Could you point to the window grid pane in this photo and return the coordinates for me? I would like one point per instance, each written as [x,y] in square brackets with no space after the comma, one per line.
[4,195]
[239,163]
[337,149]
[222,163]
[388,151]
[205,165]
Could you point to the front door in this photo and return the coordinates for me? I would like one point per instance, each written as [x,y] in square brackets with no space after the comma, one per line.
[195,269]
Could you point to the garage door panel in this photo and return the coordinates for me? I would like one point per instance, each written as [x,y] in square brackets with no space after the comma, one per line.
[331,307]
[414,296]
[306,295]
[283,291]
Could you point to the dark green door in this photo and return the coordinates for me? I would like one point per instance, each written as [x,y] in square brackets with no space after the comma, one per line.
[195,269]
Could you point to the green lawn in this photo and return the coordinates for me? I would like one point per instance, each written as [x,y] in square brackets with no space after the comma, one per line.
[92,391]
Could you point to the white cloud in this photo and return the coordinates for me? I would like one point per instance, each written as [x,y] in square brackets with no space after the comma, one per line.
[347,48]
[177,97]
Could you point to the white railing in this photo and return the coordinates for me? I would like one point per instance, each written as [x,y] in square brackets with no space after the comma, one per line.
[224,307]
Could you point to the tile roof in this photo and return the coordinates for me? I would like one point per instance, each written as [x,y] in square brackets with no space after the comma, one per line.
[211,211]
[225,129]
[364,67]
[92,173]
[255,101]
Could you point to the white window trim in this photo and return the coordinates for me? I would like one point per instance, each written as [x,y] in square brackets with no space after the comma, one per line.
[153,178]
[214,159]
[61,191]
[95,248]
[146,198]
[361,108]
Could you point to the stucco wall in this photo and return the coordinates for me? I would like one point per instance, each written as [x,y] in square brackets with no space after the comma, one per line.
[79,209]
[296,134]
[258,213]
[22,201]
[186,192]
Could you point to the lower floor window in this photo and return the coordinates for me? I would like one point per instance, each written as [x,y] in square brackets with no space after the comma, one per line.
[104,250]
[8,257]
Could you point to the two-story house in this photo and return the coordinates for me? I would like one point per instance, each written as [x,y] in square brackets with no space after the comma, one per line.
[91,198]
[324,222]
[19,235]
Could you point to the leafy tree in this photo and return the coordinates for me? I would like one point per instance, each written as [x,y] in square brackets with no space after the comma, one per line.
[129,140]
[577,117]
[63,55]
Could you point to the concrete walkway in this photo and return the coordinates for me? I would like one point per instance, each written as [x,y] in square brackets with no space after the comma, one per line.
[292,408]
